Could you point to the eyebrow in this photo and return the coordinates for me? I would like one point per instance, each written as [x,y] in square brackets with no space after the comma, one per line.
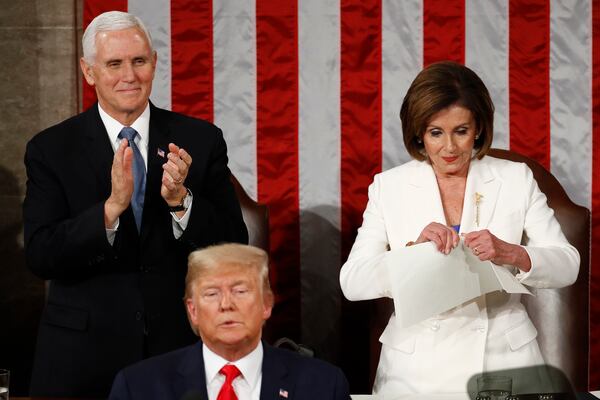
[215,286]
[143,57]
[464,124]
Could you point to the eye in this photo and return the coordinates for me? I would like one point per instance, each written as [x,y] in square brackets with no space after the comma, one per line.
[210,294]
[139,61]
[462,131]
[240,291]
[113,64]
[434,132]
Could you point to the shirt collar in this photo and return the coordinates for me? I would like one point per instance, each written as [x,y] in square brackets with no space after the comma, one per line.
[113,127]
[250,365]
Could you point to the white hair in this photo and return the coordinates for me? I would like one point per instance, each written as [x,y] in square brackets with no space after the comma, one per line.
[107,22]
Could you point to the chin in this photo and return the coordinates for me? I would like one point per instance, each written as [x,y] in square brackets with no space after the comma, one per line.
[232,337]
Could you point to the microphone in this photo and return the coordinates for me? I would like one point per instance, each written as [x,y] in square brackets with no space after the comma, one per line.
[192,395]
[299,348]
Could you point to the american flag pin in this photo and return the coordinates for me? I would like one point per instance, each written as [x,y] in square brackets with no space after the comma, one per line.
[283,393]
[160,152]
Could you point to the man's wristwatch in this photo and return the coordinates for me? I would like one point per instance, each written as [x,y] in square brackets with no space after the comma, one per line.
[186,202]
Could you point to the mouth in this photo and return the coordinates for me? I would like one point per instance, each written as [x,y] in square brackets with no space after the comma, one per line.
[229,324]
[450,159]
[129,90]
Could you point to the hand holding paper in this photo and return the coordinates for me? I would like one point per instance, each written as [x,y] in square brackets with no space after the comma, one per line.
[419,271]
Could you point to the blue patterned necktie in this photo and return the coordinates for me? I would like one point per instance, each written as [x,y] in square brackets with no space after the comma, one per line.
[139,175]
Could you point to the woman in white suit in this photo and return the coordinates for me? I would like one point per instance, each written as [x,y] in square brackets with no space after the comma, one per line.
[451,190]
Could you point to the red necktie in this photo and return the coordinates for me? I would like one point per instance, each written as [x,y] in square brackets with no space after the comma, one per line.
[231,372]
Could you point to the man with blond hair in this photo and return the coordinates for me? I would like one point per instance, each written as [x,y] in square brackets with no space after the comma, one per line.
[228,299]
[117,197]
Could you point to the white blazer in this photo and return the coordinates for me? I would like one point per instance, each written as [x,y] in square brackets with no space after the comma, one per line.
[488,333]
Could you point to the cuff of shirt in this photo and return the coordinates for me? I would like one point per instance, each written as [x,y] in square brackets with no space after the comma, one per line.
[179,224]
[112,232]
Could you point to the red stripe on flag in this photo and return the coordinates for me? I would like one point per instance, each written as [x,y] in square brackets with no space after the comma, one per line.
[360,88]
[443,31]
[91,9]
[529,79]
[361,125]
[192,58]
[277,152]
[594,382]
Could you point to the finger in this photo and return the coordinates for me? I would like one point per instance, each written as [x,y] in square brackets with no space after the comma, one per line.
[470,237]
[128,161]
[455,239]
[173,171]
[452,236]
[185,157]
[445,236]
[167,181]
[173,148]
[118,157]
[178,162]
[434,237]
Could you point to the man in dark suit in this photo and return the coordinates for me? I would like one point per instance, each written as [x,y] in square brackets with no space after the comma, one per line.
[228,299]
[117,197]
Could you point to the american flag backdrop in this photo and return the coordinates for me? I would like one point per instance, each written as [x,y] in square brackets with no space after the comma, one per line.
[308,93]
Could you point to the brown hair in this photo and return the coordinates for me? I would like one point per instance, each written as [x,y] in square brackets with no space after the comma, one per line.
[436,87]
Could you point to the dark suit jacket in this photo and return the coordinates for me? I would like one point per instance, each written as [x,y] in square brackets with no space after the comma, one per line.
[180,373]
[110,306]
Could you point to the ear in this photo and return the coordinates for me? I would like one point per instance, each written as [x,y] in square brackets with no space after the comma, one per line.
[87,71]
[191,310]
[154,58]
[267,305]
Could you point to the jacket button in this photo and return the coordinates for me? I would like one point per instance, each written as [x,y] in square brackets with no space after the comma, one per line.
[435,326]
[138,315]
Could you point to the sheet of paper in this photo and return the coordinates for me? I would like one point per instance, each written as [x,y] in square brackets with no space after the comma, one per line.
[426,282]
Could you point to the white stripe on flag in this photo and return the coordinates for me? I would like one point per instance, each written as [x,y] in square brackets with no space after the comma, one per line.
[156,15]
[319,170]
[486,52]
[234,33]
[402,59]
[571,97]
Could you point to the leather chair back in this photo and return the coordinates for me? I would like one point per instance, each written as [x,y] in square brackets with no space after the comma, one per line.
[561,316]
[256,217]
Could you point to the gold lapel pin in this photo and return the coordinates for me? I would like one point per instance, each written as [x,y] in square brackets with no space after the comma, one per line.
[478,197]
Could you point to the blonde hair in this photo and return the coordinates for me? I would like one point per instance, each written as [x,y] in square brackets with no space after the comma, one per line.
[201,262]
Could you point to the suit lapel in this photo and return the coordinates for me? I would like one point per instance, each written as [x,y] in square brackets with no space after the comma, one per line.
[426,196]
[98,149]
[190,374]
[157,155]
[481,195]
[276,380]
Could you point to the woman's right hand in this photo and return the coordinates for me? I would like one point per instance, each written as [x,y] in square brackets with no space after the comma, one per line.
[444,237]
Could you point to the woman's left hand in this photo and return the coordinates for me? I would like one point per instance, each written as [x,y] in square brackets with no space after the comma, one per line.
[487,247]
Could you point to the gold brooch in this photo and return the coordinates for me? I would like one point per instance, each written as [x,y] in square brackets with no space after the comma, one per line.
[478,197]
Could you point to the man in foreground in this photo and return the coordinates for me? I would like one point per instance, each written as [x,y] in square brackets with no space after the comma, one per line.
[228,298]
[117,197]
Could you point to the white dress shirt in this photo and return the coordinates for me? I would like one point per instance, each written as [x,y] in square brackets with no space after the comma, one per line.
[246,386]
[142,127]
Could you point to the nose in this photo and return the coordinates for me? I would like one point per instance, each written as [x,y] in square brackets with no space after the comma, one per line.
[127,73]
[449,143]
[226,302]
